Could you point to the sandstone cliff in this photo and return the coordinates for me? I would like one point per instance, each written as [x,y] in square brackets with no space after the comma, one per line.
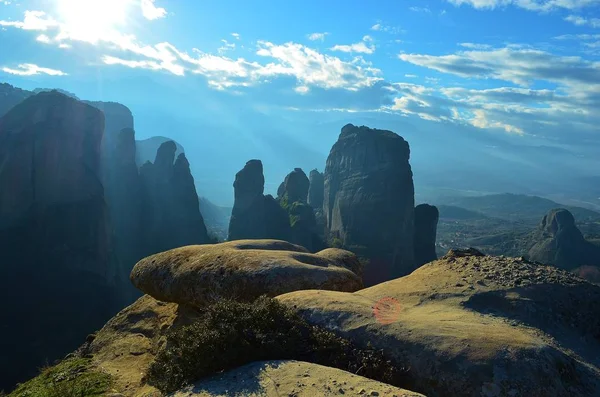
[254,215]
[426,220]
[316,189]
[171,210]
[55,254]
[369,199]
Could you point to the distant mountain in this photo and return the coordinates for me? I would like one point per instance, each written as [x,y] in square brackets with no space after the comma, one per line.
[216,218]
[517,207]
[11,96]
[458,213]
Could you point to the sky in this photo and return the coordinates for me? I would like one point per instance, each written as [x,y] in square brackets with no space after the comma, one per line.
[521,72]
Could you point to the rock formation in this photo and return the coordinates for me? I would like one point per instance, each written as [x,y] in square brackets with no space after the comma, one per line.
[254,215]
[369,200]
[474,325]
[55,252]
[125,199]
[11,96]
[171,213]
[295,187]
[146,149]
[316,189]
[426,220]
[557,241]
[241,270]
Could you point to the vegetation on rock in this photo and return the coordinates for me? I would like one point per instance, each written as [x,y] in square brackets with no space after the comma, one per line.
[70,378]
[230,334]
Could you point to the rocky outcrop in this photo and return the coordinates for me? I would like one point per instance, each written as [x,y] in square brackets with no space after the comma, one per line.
[474,325]
[241,270]
[280,378]
[254,215]
[146,149]
[369,200]
[171,214]
[58,275]
[426,220]
[557,241]
[295,187]
[316,189]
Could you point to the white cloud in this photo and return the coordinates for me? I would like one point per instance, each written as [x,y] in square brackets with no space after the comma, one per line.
[480,120]
[150,11]
[43,39]
[302,89]
[475,46]
[581,21]
[33,20]
[410,76]
[317,36]
[236,36]
[227,46]
[365,46]
[30,69]
[420,9]
[531,5]
[380,27]
[521,66]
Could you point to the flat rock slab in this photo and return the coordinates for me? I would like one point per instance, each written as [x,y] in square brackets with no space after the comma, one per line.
[290,378]
[242,270]
[473,325]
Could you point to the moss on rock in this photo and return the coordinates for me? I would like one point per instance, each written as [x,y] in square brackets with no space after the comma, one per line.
[72,377]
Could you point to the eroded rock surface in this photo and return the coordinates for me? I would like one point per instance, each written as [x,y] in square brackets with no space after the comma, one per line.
[473,325]
[241,270]
[290,378]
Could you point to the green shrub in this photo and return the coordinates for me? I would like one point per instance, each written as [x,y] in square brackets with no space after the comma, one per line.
[70,378]
[230,334]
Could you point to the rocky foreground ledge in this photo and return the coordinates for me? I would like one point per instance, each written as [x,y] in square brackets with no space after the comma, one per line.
[464,325]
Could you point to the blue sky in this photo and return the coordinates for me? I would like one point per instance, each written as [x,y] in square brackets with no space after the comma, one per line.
[523,71]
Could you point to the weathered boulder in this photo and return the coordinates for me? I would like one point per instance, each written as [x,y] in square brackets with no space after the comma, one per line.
[281,378]
[254,215]
[474,325]
[295,187]
[369,200]
[54,232]
[557,241]
[426,220]
[242,270]
[316,189]
[171,215]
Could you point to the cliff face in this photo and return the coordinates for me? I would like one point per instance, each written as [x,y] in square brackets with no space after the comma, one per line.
[557,241]
[124,197]
[426,220]
[55,251]
[316,189]
[254,215]
[171,212]
[369,199]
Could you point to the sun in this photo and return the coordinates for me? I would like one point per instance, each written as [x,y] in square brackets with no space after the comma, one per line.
[90,19]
